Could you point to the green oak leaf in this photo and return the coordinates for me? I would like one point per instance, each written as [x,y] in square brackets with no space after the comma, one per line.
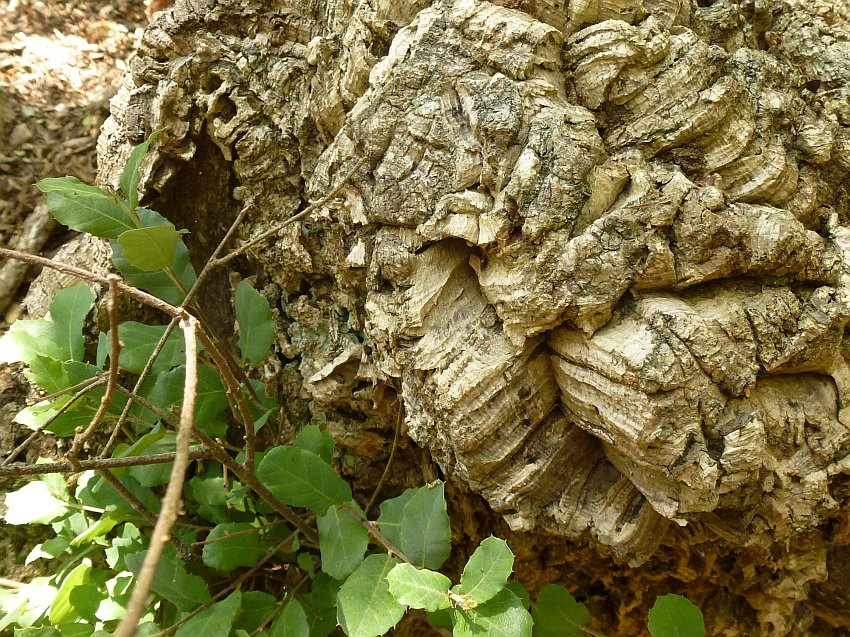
[86,208]
[301,478]
[256,325]
[501,616]
[313,439]
[172,582]
[214,621]
[152,248]
[365,606]
[675,616]
[292,622]
[425,528]
[342,541]
[486,572]
[558,614]
[227,553]
[129,182]
[419,588]
[68,312]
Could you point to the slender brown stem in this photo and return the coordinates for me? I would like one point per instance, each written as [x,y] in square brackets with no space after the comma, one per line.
[211,262]
[163,415]
[112,379]
[251,531]
[100,378]
[85,275]
[379,486]
[19,469]
[218,452]
[290,594]
[26,443]
[139,506]
[171,502]
[205,272]
[377,535]
[233,388]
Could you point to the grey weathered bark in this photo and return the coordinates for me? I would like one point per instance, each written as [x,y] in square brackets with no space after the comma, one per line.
[599,249]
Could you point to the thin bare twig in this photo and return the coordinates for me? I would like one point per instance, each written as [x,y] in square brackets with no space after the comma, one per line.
[297,217]
[182,550]
[233,388]
[290,594]
[113,438]
[376,534]
[26,443]
[163,415]
[386,471]
[251,531]
[137,504]
[85,275]
[21,469]
[112,379]
[100,376]
[206,271]
[210,265]
[171,502]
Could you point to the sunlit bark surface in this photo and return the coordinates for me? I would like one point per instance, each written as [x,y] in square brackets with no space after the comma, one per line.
[599,249]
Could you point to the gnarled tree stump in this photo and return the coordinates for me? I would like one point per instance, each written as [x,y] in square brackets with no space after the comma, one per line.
[600,249]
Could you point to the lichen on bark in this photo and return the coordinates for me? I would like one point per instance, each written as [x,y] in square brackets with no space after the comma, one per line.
[600,250]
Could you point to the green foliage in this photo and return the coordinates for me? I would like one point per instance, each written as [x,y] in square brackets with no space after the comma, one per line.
[138,342]
[256,608]
[301,478]
[294,580]
[129,182]
[292,622]
[150,249]
[68,312]
[486,573]
[33,504]
[392,512]
[86,208]
[214,621]
[675,616]
[61,607]
[314,439]
[365,606]
[233,544]
[172,582]
[169,284]
[558,614]
[59,338]
[425,532]
[419,588]
[501,616]
[342,540]
[256,325]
